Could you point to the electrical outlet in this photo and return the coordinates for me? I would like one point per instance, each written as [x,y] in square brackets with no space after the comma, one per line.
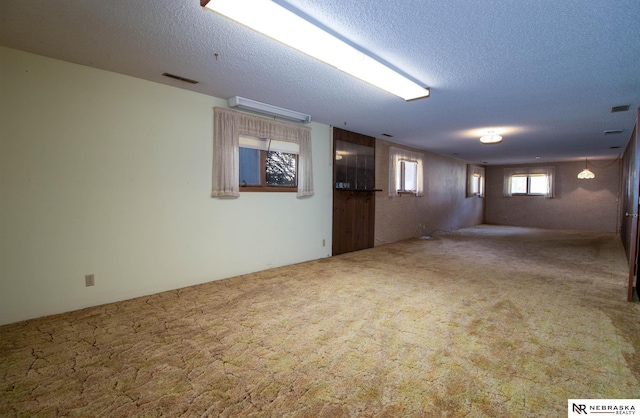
[324,243]
[89,280]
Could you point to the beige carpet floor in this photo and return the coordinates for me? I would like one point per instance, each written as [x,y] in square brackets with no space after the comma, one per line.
[485,321]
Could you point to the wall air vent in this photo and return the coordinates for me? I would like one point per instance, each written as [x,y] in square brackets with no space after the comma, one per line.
[624,108]
[177,77]
[613,131]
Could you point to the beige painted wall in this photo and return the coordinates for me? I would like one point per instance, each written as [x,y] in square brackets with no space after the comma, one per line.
[578,204]
[443,207]
[107,174]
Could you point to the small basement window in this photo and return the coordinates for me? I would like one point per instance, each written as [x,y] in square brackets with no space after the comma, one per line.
[407,177]
[529,184]
[529,181]
[475,181]
[405,172]
[268,165]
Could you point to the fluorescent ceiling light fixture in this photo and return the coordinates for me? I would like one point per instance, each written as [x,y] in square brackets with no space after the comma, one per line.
[267,109]
[491,138]
[275,21]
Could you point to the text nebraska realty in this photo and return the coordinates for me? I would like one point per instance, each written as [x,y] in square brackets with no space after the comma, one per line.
[603,409]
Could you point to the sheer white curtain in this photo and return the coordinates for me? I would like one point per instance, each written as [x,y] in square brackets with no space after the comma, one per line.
[396,155]
[226,155]
[508,173]
[549,172]
[230,124]
[475,171]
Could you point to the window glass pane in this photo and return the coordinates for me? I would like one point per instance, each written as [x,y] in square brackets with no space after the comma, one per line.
[281,169]
[475,184]
[249,167]
[538,184]
[410,176]
[519,184]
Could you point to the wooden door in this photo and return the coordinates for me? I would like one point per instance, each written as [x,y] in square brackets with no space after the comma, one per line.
[353,192]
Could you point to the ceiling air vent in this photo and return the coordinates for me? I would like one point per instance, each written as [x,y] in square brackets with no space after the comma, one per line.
[624,108]
[388,135]
[177,77]
[613,131]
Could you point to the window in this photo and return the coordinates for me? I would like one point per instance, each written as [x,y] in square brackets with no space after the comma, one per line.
[475,181]
[530,184]
[407,177]
[405,172]
[286,138]
[267,166]
[281,169]
[475,184]
[529,181]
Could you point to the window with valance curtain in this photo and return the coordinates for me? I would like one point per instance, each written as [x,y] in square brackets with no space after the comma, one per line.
[528,172]
[396,156]
[230,124]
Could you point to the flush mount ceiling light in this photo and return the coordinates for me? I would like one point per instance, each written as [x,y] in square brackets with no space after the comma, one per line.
[586,174]
[275,21]
[491,138]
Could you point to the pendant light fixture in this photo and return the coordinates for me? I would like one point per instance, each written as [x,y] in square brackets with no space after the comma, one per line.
[586,174]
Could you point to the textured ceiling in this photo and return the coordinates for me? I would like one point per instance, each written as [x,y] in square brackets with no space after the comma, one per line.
[548,72]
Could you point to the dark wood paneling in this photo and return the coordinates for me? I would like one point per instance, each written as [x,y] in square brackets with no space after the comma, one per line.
[631,208]
[353,221]
[353,210]
[629,197]
[354,138]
